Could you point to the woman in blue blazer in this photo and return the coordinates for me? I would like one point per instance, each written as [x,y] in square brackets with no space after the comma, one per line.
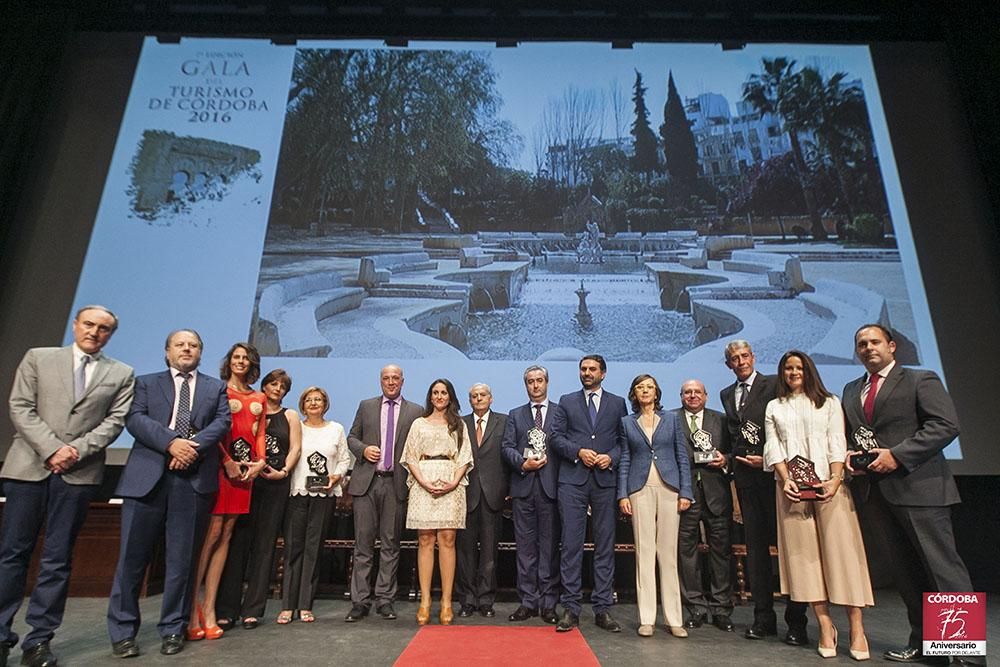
[654,487]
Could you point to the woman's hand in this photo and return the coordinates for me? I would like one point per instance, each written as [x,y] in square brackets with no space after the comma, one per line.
[683,504]
[791,490]
[233,470]
[253,469]
[271,474]
[625,505]
[828,489]
[332,483]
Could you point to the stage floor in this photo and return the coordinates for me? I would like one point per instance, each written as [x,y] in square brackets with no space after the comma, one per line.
[329,641]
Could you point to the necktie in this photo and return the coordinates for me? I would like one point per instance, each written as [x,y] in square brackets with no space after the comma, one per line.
[80,378]
[745,392]
[182,425]
[593,409]
[390,435]
[869,406]
[694,423]
[479,431]
[538,416]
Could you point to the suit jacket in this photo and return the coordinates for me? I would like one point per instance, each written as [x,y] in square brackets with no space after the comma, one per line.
[46,416]
[367,430]
[604,437]
[149,420]
[915,418]
[762,391]
[515,439]
[487,479]
[669,454]
[714,481]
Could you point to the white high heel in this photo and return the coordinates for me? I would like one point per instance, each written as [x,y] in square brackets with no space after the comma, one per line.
[829,652]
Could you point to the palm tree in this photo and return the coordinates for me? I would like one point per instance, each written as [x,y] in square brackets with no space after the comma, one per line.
[776,91]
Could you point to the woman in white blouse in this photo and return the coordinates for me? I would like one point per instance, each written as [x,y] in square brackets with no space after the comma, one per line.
[324,455]
[821,555]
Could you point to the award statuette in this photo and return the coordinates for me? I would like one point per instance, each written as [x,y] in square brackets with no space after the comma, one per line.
[239,450]
[751,433]
[536,444]
[704,452]
[318,480]
[272,453]
[803,473]
[865,441]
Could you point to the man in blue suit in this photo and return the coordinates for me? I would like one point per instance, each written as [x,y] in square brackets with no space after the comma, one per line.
[533,486]
[177,418]
[589,455]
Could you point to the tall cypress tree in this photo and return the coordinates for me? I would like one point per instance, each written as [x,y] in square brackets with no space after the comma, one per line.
[645,160]
[678,142]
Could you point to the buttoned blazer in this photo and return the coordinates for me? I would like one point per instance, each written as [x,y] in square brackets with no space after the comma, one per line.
[367,430]
[763,391]
[515,439]
[604,437]
[915,418]
[667,452]
[148,421]
[714,481]
[46,415]
[487,479]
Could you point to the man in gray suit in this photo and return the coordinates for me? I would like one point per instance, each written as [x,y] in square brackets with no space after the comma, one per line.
[713,507]
[484,496]
[378,485]
[67,404]
[906,493]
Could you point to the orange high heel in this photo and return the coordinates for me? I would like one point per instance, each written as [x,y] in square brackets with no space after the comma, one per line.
[423,614]
[195,634]
[214,632]
[447,615]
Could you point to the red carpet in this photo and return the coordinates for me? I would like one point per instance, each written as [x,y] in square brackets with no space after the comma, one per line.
[490,645]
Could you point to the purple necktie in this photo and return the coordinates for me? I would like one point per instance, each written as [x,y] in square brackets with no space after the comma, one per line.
[390,433]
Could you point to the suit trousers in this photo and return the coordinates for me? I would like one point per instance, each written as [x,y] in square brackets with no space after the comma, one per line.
[377,512]
[305,523]
[760,527]
[920,544]
[655,525]
[173,503]
[251,552]
[718,598]
[477,556]
[62,508]
[573,503]
[536,534]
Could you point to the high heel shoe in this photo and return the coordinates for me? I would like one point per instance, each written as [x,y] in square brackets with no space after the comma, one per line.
[214,632]
[447,615]
[861,654]
[423,614]
[195,634]
[828,652]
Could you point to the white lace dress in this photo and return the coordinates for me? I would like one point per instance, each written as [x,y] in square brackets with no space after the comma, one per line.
[437,453]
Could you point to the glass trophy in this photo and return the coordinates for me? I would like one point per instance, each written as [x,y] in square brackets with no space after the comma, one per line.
[803,473]
[272,453]
[865,442]
[320,478]
[752,437]
[704,452]
[535,450]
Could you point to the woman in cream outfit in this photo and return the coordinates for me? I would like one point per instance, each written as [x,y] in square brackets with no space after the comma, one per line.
[821,555]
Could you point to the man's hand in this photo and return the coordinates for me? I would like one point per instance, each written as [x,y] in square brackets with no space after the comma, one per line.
[588,456]
[718,462]
[534,464]
[683,504]
[850,463]
[752,460]
[603,461]
[372,454]
[64,458]
[175,465]
[183,450]
[884,463]
[625,505]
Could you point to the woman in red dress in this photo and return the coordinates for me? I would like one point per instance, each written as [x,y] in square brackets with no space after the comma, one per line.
[241,455]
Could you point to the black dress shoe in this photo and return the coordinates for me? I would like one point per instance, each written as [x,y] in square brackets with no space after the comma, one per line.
[569,621]
[356,613]
[386,611]
[467,610]
[39,655]
[606,621]
[796,637]
[126,648]
[696,621]
[487,610]
[522,613]
[550,616]
[4,652]
[172,644]
[760,631]
[723,622]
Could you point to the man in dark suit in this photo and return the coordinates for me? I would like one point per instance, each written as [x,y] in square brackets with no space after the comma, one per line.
[171,477]
[713,507]
[67,404]
[744,402]
[588,479]
[533,487]
[378,485]
[484,496]
[906,493]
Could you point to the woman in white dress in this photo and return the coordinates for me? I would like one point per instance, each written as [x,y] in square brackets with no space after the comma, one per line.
[821,555]
[438,456]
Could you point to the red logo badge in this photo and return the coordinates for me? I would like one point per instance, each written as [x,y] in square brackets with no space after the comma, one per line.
[954,624]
